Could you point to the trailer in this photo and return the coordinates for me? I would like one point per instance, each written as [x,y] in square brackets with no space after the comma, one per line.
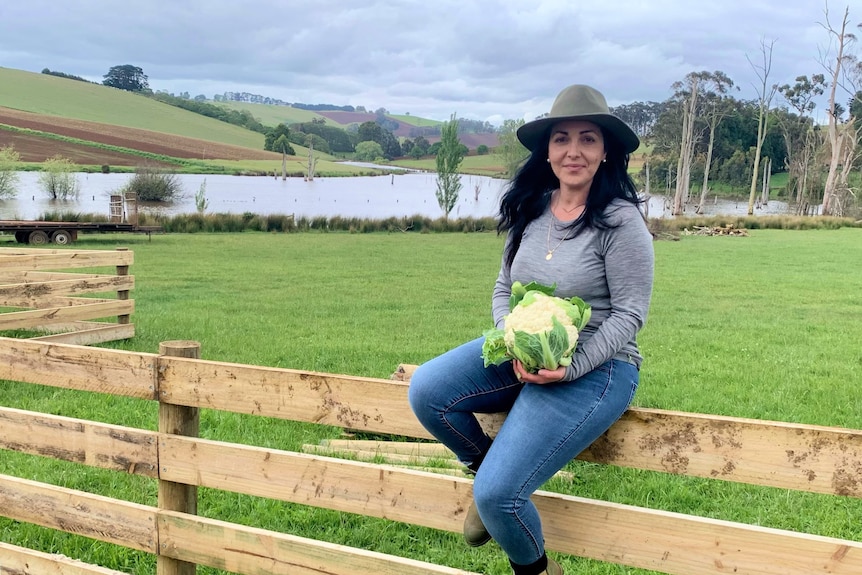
[123,218]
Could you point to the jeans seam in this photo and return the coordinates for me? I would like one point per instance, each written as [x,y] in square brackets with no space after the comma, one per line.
[450,408]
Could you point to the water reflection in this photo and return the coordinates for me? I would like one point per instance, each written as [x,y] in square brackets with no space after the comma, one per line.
[373,197]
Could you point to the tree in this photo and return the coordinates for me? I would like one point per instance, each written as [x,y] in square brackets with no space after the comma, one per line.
[58,178]
[801,140]
[510,150]
[839,139]
[715,109]
[765,94]
[9,160]
[688,91]
[278,140]
[368,151]
[482,150]
[448,161]
[126,77]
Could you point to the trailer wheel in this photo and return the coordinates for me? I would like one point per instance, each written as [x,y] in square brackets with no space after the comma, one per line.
[21,237]
[61,238]
[38,238]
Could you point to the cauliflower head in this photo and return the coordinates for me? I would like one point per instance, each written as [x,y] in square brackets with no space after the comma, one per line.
[541,329]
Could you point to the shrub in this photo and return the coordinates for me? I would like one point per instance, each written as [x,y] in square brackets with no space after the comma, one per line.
[9,160]
[153,185]
[58,178]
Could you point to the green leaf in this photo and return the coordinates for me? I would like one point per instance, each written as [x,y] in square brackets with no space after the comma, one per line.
[519,290]
[494,350]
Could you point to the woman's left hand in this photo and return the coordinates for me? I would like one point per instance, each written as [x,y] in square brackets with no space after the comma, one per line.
[541,377]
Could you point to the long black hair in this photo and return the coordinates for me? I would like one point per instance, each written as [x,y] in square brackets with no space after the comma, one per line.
[528,194]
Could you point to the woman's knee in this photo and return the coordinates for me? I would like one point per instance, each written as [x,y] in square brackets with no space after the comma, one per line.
[420,391]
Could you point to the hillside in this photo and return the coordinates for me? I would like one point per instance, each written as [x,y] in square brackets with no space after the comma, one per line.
[60,97]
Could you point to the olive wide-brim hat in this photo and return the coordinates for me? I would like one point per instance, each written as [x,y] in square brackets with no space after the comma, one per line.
[579,102]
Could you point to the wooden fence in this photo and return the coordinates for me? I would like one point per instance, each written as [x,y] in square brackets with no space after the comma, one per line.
[42,295]
[789,456]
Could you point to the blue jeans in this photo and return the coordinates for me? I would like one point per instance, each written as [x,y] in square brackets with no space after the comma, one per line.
[547,426]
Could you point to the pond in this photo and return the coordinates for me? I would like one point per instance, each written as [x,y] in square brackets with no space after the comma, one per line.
[371,197]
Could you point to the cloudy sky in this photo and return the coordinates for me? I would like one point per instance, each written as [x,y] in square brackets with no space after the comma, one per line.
[482,59]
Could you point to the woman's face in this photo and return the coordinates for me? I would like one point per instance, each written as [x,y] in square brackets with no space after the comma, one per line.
[575,151]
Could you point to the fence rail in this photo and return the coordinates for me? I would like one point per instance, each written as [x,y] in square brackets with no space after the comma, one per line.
[50,302]
[791,456]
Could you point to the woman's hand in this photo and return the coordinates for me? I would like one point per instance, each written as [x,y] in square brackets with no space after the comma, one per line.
[541,377]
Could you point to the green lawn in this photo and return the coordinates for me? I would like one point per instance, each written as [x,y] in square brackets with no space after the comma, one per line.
[766,326]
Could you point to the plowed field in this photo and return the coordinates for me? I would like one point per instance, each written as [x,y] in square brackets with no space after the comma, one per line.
[39,149]
[136,139]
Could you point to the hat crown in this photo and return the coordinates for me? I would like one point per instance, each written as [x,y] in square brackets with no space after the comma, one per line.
[579,100]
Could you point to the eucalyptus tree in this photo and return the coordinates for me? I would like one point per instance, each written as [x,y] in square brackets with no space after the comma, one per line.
[765,93]
[842,142]
[449,158]
[688,91]
[801,139]
[716,107]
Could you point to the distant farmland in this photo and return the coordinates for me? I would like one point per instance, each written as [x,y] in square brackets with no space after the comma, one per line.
[133,138]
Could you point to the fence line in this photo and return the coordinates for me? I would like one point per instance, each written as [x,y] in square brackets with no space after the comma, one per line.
[793,456]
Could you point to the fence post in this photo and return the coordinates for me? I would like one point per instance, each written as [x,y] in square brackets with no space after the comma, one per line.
[178,420]
[123,294]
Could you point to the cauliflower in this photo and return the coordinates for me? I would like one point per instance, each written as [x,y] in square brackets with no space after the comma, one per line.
[541,329]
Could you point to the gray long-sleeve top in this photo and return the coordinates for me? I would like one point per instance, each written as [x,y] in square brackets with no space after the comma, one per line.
[611,270]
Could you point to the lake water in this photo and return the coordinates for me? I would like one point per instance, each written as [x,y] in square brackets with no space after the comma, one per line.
[372,197]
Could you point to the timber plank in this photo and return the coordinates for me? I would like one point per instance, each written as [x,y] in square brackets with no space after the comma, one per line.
[350,486]
[129,374]
[110,520]
[364,403]
[672,543]
[240,549]
[79,441]
[13,259]
[802,457]
[36,294]
[99,334]
[29,319]
[22,561]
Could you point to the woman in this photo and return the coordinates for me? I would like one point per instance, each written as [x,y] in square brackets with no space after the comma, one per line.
[572,218]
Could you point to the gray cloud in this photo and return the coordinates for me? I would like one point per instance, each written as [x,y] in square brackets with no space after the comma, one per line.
[482,59]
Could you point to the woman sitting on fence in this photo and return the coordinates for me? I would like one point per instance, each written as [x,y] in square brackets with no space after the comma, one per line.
[572,218]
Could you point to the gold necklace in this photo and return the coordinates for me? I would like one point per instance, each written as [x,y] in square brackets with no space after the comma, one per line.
[552,224]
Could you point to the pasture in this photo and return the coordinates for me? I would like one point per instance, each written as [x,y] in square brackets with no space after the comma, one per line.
[765,326]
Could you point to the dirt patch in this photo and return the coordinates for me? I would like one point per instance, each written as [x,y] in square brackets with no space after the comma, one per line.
[38,149]
[133,138]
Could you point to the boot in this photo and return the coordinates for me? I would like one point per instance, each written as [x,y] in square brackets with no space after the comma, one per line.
[475,533]
[553,568]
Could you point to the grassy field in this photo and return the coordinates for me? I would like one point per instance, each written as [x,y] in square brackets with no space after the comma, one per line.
[272,115]
[765,326]
[414,120]
[46,94]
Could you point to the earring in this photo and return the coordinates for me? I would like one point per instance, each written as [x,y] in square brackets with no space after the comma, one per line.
[548,160]
[604,160]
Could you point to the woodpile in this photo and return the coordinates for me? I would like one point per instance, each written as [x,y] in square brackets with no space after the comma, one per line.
[727,230]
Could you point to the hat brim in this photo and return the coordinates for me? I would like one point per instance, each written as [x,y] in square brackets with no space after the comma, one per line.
[531,133]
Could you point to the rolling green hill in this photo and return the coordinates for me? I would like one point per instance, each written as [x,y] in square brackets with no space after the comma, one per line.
[272,115]
[45,94]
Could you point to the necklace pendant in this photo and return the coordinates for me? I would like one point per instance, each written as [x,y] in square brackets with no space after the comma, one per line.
[549,256]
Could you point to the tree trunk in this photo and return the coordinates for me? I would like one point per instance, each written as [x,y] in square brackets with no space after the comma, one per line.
[704,190]
[829,189]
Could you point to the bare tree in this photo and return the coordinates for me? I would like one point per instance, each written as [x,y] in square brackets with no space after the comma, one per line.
[715,110]
[839,138]
[688,91]
[800,137]
[765,92]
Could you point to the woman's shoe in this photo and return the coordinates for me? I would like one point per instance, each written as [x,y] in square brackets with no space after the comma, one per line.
[475,533]
[553,568]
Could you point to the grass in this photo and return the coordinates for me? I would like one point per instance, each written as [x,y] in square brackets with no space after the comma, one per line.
[765,326]
[46,94]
